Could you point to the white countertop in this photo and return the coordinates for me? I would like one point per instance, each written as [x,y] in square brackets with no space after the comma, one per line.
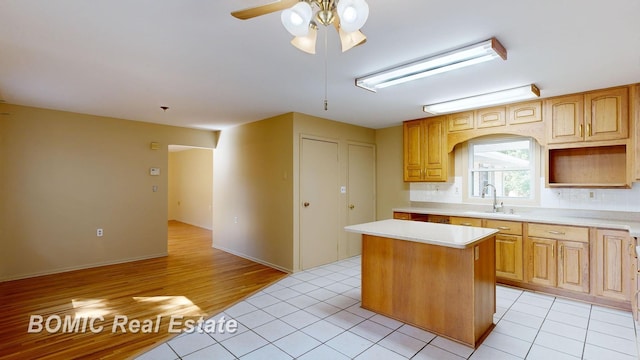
[538,217]
[454,236]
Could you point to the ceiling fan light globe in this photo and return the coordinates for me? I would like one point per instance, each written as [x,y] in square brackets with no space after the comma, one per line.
[296,19]
[353,14]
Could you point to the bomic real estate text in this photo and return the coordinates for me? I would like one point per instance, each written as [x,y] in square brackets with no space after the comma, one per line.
[122,324]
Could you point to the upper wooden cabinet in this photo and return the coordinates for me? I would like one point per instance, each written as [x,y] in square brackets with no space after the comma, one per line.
[460,121]
[425,150]
[524,113]
[594,116]
[490,117]
[565,117]
[607,114]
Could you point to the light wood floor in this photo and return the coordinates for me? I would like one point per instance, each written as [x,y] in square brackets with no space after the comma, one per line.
[194,280]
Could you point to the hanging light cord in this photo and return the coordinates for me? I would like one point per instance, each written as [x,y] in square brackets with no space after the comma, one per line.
[326,71]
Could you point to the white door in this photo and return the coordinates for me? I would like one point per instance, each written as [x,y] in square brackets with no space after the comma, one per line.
[319,203]
[360,192]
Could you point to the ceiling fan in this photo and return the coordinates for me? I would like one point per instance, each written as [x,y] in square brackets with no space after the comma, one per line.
[297,16]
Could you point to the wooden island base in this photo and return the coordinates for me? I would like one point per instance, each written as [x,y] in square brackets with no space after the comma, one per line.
[447,291]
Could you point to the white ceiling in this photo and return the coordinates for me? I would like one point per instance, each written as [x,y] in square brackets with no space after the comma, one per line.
[126,58]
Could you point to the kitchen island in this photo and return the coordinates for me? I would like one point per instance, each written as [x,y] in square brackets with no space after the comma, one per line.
[438,277]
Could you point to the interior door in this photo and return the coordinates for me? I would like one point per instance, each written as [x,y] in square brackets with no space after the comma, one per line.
[320,205]
[361,199]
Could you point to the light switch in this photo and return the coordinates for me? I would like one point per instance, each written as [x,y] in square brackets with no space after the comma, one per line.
[154,171]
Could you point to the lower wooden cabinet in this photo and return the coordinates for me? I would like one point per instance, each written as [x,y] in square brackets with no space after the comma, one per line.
[508,248]
[597,265]
[613,264]
[541,261]
[559,263]
[573,266]
[509,256]
[465,221]
[410,216]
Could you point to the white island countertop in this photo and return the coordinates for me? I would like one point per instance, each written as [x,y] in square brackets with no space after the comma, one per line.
[454,236]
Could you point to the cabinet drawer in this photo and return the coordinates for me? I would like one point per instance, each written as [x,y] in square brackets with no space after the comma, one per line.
[409,216]
[401,216]
[505,227]
[455,220]
[560,232]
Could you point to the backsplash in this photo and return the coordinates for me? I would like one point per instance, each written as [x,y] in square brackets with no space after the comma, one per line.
[582,199]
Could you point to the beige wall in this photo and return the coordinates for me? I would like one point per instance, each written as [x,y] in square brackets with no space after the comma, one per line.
[253,191]
[343,134]
[191,186]
[256,184]
[63,175]
[391,190]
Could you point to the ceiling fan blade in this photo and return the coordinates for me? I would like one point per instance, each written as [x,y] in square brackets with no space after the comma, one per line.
[263,9]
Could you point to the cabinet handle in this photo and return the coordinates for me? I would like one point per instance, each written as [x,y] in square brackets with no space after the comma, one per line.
[631,251]
[503,228]
[588,129]
[581,133]
[560,249]
[556,232]
[465,224]
[553,250]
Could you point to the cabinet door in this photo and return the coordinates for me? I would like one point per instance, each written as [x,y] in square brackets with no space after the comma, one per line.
[607,114]
[541,258]
[565,116]
[509,256]
[460,121]
[524,113]
[435,158]
[573,266]
[413,140]
[613,267]
[490,117]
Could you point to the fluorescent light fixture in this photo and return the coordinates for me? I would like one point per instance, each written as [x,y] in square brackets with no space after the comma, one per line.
[478,101]
[456,59]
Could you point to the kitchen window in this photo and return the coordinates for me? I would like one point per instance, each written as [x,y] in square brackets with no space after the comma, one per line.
[509,164]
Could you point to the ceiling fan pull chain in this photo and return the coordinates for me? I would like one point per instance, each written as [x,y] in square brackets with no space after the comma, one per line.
[326,71]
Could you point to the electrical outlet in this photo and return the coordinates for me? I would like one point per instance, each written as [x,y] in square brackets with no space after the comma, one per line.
[99,232]
[235,219]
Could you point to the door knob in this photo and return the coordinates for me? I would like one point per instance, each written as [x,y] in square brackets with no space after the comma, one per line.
[306,204]
[352,206]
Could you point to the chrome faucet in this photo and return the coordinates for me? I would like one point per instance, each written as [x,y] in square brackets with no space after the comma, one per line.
[496,207]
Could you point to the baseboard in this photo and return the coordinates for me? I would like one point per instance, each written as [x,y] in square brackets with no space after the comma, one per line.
[259,261]
[82,267]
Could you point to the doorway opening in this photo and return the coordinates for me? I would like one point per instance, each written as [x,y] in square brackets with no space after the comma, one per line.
[190,186]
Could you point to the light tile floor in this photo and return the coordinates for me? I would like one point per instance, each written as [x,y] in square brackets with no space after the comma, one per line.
[316,314]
